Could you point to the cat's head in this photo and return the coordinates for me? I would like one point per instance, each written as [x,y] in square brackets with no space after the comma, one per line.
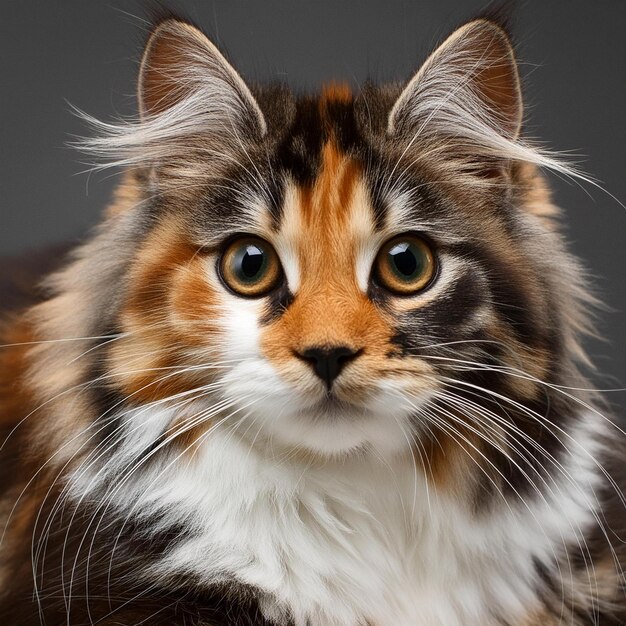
[336,272]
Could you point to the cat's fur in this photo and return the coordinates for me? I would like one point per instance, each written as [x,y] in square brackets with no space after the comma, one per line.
[168,459]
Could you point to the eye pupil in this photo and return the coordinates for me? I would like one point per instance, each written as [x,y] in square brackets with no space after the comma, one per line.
[252,262]
[405,261]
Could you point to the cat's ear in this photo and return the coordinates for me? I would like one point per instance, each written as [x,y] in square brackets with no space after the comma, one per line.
[184,74]
[467,89]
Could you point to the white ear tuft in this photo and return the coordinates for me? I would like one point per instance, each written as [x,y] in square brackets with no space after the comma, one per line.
[465,104]
[180,63]
[468,85]
[195,111]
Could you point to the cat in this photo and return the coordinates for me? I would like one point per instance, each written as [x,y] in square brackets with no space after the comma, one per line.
[320,364]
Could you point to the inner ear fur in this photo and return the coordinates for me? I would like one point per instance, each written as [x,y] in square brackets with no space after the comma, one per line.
[474,72]
[180,60]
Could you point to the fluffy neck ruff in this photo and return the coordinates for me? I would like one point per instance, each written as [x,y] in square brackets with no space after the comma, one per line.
[352,541]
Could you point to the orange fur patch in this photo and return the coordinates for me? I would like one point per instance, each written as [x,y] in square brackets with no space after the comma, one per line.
[334,92]
[449,459]
[169,318]
[14,399]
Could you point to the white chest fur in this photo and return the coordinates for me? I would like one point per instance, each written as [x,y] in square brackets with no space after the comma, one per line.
[359,541]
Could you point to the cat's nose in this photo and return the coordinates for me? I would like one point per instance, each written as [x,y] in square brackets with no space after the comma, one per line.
[327,363]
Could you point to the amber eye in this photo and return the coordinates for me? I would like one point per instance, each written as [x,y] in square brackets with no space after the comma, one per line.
[405,265]
[250,267]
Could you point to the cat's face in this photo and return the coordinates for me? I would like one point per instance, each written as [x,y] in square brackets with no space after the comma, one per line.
[322,273]
[322,360]
[301,312]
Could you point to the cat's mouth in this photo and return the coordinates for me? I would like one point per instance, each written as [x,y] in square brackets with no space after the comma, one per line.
[331,406]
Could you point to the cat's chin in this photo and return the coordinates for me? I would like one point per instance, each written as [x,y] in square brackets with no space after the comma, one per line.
[330,427]
[379,418]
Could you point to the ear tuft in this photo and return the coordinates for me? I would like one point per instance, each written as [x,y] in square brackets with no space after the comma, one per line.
[469,83]
[180,63]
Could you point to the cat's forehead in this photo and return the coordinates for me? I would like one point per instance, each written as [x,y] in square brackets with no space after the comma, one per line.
[330,221]
[327,172]
[310,124]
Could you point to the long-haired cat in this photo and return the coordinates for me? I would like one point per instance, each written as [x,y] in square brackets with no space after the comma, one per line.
[319,365]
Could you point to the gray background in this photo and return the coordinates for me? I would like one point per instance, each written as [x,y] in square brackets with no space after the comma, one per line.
[85,52]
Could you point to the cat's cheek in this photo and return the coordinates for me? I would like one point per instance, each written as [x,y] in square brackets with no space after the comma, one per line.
[194,304]
[238,319]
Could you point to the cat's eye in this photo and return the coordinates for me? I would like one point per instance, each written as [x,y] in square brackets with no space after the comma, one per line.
[250,267]
[405,265]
